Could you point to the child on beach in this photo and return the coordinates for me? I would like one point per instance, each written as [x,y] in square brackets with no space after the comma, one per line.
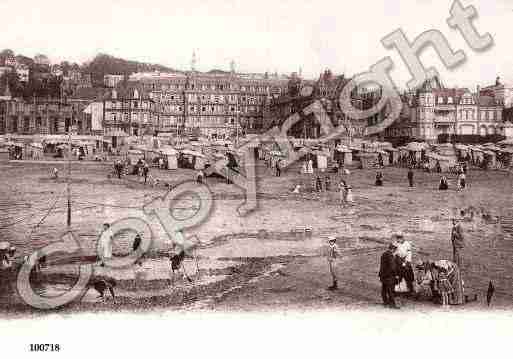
[444,287]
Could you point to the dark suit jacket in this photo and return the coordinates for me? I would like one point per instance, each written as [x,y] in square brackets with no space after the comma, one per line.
[387,268]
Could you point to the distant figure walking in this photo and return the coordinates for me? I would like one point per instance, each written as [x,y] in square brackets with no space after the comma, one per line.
[135,247]
[55,173]
[318,184]
[342,191]
[458,242]
[349,194]
[146,172]
[105,244]
[462,180]
[444,185]
[278,168]
[379,179]
[327,182]
[410,177]
[200,178]
[332,256]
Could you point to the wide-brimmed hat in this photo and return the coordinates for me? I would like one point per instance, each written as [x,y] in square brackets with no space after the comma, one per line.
[392,245]
[332,239]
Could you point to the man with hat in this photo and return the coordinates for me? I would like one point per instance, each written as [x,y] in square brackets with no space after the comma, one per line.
[333,254]
[388,276]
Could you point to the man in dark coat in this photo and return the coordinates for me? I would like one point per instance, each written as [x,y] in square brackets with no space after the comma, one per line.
[388,276]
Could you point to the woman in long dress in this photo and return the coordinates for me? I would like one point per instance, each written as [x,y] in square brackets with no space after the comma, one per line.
[342,191]
[456,297]
[349,194]
[105,245]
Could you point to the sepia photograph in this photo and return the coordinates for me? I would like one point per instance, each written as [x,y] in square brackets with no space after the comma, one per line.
[236,178]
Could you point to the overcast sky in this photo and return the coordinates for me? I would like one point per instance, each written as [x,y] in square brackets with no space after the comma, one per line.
[263,35]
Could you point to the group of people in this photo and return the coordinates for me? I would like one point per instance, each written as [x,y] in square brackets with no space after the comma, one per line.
[442,277]
[320,184]
[461,182]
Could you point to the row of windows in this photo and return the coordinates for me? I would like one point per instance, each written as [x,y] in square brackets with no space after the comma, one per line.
[144,117]
[195,121]
[207,87]
[123,104]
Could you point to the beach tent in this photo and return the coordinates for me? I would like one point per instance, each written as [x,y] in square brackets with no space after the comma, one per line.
[368,160]
[343,154]
[35,150]
[446,162]
[385,156]
[196,159]
[490,158]
[171,156]
[506,156]
[322,160]
[134,155]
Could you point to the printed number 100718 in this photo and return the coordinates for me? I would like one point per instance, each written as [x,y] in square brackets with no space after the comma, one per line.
[45,347]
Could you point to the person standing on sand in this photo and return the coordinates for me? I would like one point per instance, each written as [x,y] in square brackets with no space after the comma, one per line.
[458,242]
[342,191]
[318,184]
[349,194]
[135,247]
[410,177]
[443,185]
[327,182]
[379,179]
[278,168]
[388,276]
[146,172]
[332,256]
[105,244]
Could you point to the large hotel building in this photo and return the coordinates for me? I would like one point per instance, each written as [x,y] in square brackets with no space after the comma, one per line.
[215,104]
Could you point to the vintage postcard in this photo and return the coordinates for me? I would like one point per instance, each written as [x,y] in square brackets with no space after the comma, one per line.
[181,177]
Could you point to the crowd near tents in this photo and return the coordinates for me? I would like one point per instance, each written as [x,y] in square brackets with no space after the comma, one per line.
[181,152]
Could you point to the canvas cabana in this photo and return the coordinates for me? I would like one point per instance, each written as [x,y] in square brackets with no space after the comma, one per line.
[506,157]
[384,156]
[446,162]
[34,150]
[322,160]
[393,155]
[170,156]
[134,156]
[343,155]
[490,159]
[416,149]
[368,160]
[192,159]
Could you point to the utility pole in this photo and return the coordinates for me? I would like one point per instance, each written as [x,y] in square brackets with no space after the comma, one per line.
[68,186]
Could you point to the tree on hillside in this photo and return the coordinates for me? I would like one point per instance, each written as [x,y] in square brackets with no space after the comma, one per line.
[104,64]
[15,86]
